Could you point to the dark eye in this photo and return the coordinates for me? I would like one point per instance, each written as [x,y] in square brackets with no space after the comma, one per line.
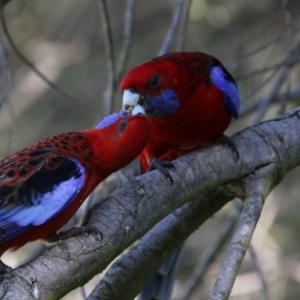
[122,126]
[153,81]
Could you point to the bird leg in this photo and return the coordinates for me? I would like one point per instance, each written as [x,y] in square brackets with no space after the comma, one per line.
[223,139]
[163,167]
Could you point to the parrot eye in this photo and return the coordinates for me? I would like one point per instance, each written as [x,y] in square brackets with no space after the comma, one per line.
[122,126]
[153,81]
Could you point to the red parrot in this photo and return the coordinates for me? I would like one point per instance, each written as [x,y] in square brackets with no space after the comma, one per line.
[42,186]
[190,99]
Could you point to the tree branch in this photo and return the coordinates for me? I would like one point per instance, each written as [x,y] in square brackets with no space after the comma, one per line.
[110,59]
[183,26]
[137,266]
[30,65]
[271,148]
[127,40]
[276,86]
[166,45]
[210,254]
[258,187]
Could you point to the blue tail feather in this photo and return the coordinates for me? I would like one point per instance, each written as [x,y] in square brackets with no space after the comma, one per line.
[160,286]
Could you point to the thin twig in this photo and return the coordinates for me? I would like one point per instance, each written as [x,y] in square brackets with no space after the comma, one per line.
[276,87]
[166,45]
[127,40]
[290,28]
[259,272]
[276,66]
[209,255]
[260,113]
[6,84]
[261,85]
[183,25]
[29,64]
[5,72]
[266,46]
[256,190]
[110,58]
[12,123]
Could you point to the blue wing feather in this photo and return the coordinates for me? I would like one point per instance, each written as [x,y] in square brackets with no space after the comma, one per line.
[224,81]
[44,195]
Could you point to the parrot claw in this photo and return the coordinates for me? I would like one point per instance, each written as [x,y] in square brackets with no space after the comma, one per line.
[163,167]
[223,139]
[64,235]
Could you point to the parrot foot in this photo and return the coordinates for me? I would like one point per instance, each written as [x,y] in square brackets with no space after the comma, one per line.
[64,235]
[163,167]
[223,139]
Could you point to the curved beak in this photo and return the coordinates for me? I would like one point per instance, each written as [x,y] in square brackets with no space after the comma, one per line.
[130,100]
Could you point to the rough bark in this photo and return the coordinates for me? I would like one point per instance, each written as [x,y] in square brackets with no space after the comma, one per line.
[271,148]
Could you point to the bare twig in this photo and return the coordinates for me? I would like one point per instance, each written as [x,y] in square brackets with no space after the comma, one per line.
[29,64]
[276,66]
[252,106]
[259,272]
[261,85]
[256,191]
[5,72]
[264,105]
[165,47]
[12,122]
[289,25]
[128,29]
[260,49]
[110,58]
[6,84]
[209,256]
[288,16]
[183,26]
[276,87]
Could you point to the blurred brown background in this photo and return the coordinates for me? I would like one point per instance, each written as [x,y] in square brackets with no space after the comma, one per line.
[64,40]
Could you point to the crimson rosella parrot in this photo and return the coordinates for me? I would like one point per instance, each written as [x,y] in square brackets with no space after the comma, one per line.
[190,99]
[42,186]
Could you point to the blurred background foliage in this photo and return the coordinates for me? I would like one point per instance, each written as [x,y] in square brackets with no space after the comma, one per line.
[64,40]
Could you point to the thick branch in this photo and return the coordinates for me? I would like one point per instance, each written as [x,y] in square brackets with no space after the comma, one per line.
[129,274]
[144,201]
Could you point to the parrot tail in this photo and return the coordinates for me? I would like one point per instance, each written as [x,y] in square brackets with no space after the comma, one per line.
[160,286]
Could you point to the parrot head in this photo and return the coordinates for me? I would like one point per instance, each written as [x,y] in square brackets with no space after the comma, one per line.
[123,136]
[155,85]
[164,84]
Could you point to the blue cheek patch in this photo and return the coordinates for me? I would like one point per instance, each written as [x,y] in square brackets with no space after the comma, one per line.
[164,104]
[221,80]
[111,119]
